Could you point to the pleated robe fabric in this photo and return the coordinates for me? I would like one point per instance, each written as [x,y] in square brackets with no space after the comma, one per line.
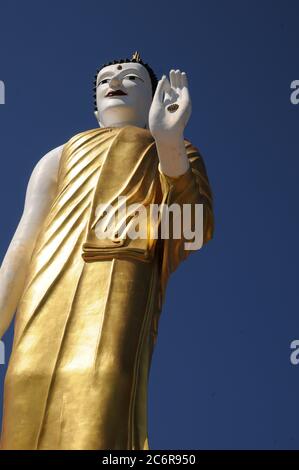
[85,331]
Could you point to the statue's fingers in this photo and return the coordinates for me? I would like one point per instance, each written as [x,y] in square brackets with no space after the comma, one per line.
[185,101]
[172,76]
[184,92]
[178,78]
[184,79]
[161,88]
[167,86]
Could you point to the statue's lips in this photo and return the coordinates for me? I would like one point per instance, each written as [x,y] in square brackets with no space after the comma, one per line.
[115,93]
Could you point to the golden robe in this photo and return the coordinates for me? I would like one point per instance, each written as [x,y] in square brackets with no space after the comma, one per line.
[87,321]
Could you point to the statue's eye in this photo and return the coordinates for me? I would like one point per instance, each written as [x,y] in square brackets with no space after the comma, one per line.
[105,80]
[131,77]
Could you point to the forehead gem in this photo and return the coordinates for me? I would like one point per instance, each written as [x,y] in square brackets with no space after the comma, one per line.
[119,67]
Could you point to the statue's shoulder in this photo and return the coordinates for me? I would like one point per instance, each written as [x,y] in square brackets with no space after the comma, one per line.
[82,136]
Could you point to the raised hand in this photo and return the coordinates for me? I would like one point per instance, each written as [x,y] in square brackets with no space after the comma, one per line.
[171,107]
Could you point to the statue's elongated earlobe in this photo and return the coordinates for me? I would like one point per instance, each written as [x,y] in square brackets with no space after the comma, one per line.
[96,116]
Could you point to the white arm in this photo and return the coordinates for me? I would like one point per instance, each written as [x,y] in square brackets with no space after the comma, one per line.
[178,164]
[40,193]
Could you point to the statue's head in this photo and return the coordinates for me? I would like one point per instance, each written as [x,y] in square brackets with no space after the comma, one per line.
[124,90]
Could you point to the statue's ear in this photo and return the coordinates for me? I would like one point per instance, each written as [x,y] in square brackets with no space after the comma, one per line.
[96,116]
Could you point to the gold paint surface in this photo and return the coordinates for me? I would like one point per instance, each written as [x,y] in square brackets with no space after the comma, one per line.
[87,321]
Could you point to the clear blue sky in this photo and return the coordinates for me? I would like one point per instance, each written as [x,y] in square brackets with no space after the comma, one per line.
[221,375]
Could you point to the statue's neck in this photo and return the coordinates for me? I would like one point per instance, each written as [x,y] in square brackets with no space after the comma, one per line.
[121,124]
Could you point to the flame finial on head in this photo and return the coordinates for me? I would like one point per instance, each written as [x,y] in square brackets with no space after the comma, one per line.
[136,56]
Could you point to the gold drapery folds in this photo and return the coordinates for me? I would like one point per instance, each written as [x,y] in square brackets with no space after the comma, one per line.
[87,321]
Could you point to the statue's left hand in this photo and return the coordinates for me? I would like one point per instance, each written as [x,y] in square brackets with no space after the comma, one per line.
[163,124]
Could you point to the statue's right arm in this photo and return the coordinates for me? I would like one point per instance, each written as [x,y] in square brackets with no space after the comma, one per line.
[41,191]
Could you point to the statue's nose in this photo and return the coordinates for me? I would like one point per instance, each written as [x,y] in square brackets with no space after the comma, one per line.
[115,82]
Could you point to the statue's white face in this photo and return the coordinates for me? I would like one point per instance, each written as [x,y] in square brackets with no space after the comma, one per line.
[123,95]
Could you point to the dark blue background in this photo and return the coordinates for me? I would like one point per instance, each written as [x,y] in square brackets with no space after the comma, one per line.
[221,375]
